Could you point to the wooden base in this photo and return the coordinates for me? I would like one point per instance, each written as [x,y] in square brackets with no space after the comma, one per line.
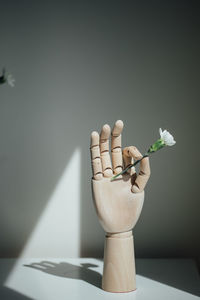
[119,263]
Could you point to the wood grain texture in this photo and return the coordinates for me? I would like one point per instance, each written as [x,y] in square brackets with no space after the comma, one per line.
[119,263]
[118,204]
[117,207]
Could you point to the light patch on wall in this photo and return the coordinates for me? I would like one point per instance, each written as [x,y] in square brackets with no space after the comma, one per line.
[57,232]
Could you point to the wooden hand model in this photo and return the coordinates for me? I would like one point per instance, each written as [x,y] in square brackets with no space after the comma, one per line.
[118,204]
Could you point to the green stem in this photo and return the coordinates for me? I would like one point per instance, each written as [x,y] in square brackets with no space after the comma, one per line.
[159,144]
[129,167]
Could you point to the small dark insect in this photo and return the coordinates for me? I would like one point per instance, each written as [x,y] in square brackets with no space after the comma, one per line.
[7,78]
[3,76]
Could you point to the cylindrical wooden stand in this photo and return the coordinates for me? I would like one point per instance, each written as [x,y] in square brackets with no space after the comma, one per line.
[119,263]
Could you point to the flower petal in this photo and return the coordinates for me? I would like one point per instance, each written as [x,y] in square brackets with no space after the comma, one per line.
[167,137]
[160,131]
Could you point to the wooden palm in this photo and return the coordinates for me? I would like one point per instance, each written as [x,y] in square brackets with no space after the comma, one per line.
[119,202]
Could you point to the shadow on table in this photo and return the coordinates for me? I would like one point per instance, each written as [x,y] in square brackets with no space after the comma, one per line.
[67,270]
[174,272]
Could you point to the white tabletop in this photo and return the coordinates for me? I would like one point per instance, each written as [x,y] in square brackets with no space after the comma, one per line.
[75,279]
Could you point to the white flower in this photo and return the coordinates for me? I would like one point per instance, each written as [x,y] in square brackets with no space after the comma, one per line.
[167,137]
[11,80]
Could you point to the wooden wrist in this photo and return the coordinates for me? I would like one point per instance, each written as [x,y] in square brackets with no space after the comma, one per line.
[120,235]
[119,263]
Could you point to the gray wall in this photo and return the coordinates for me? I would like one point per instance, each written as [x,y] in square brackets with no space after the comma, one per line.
[79,65]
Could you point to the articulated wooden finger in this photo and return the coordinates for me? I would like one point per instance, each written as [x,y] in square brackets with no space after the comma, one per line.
[116,147]
[128,156]
[132,151]
[142,177]
[104,151]
[127,162]
[95,156]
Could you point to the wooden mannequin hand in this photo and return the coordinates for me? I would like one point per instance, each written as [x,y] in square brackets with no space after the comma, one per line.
[119,202]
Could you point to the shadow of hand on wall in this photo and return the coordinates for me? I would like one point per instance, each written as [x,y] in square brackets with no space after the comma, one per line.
[67,270]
